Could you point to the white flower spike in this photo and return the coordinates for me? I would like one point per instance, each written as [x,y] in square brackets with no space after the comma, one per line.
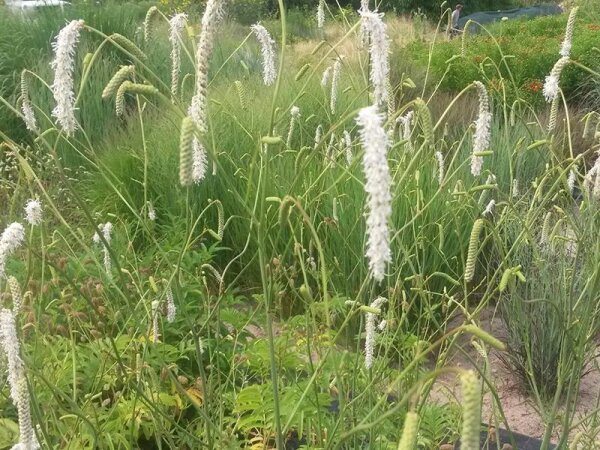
[33,212]
[377,186]
[63,65]
[370,331]
[379,50]
[10,240]
[268,53]
[176,26]
[481,139]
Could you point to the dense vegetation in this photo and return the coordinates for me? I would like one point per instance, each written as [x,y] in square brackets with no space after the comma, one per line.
[241,311]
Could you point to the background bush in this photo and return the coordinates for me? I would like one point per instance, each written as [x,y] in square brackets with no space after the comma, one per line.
[531,48]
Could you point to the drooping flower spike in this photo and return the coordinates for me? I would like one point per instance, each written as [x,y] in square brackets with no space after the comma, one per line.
[267,45]
[294,116]
[551,84]
[335,79]
[176,26]
[63,65]
[321,14]
[10,240]
[26,106]
[210,19]
[19,391]
[565,49]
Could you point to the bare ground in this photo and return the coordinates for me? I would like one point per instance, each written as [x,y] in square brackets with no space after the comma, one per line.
[518,407]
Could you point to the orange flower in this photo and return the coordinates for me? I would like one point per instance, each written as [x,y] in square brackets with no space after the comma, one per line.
[535,86]
[594,27]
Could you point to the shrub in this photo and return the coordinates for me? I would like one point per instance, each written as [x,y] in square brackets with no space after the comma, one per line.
[530,49]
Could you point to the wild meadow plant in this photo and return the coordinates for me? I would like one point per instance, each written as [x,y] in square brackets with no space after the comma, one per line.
[308,281]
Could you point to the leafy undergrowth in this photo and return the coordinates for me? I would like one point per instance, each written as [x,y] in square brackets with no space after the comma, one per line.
[216,294]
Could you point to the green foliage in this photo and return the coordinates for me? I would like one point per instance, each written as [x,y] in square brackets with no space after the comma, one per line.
[546,348]
[264,257]
[519,52]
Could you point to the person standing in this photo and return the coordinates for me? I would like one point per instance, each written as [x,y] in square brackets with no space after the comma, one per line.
[455,30]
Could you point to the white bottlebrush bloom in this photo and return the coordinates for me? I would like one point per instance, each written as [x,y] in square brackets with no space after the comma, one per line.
[370,331]
[489,209]
[176,26]
[106,231]
[335,80]
[348,145]
[551,84]
[11,239]
[19,392]
[377,186]
[364,35]
[379,52]
[26,106]
[63,65]
[382,325]
[294,116]
[329,151]
[151,211]
[325,76]
[171,308]
[199,162]
[318,135]
[33,212]
[515,188]
[591,182]
[565,49]
[321,14]
[406,131]
[439,156]
[267,45]
[210,19]
[481,139]
[571,180]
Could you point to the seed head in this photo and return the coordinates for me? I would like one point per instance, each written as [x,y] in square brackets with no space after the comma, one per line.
[471,427]
[171,308]
[176,26]
[26,106]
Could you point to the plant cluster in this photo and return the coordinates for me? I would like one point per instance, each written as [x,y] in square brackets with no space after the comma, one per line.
[217,239]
